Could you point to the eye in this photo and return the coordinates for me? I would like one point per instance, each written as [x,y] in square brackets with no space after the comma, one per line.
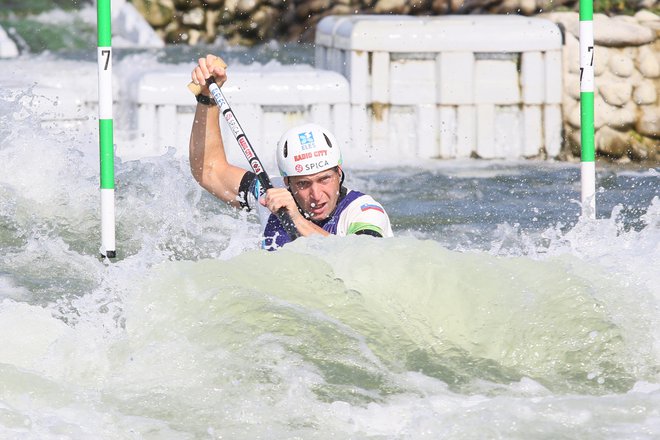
[302,184]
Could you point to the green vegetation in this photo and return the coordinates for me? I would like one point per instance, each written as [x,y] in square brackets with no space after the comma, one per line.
[614,7]
[40,36]
[27,7]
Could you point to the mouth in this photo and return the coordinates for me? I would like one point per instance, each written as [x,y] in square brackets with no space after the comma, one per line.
[317,209]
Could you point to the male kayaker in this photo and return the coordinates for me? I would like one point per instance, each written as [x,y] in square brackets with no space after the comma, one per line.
[309,159]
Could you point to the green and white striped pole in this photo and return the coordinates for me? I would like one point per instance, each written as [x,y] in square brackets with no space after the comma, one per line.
[106,144]
[588,168]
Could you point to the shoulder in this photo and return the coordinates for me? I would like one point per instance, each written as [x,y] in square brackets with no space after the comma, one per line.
[363,213]
[363,202]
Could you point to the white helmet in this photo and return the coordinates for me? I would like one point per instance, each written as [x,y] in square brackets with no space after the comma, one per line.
[307,149]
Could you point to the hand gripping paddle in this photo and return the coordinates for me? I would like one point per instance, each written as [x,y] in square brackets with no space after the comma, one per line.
[244,143]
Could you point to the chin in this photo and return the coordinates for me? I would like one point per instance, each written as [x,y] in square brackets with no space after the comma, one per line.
[319,217]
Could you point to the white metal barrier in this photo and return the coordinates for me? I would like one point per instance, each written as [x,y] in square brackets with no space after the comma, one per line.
[265,104]
[448,87]
[400,86]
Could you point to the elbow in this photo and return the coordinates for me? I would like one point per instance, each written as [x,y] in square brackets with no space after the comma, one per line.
[198,174]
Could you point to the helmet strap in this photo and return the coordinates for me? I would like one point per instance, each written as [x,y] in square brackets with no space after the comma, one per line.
[341,182]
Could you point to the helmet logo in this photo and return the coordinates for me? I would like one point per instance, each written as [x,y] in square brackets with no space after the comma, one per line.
[299,168]
[306,140]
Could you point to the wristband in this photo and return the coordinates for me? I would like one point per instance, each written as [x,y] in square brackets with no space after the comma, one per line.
[204,99]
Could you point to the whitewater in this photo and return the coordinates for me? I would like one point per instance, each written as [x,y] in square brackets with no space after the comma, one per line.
[494,312]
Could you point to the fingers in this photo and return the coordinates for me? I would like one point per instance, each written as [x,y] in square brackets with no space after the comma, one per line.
[278,198]
[207,67]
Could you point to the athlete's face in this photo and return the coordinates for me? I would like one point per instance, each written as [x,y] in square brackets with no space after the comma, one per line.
[317,194]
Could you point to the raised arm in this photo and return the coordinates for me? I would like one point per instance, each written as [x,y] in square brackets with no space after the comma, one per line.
[208,161]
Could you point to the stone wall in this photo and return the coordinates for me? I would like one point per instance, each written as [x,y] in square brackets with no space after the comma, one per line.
[627,82]
[248,22]
[627,53]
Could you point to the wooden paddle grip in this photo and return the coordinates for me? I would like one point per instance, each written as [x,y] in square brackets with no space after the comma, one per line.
[196,89]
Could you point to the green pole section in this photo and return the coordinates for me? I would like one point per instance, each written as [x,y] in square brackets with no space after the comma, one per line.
[586,10]
[104,23]
[106,133]
[588,151]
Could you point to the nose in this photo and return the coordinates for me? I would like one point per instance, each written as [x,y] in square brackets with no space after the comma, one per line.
[315,192]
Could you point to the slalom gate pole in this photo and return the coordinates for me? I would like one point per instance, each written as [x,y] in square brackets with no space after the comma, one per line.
[249,153]
[588,160]
[106,144]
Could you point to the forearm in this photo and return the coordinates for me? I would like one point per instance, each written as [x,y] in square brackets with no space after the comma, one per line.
[208,161]
[306,227]
[205,142]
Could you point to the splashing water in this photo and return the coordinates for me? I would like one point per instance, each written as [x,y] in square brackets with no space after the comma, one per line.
[495,312]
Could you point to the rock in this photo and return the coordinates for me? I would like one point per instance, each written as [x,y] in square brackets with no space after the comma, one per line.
[265,19]
[311,8]
[645,93]
[544,5]
[211,22]
[611,143]
[503,7]
[571,54]
[624,18]
[605,114]
[654,26]
[607,32]
[183,5]
[527,7]
[390,7]
[456,5]
[574,140]
[641,147]
[193,17]
[244,7]
[621,64]
[573,118]
[417,6]
[648,123]
[620,33]
[339,9]
[647,62]
[601,59]
[158,13]
[616,93]
[231,7]
[620,118]
[568,104]
[644,16]
[569,20]
[440,7]
[176,34]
